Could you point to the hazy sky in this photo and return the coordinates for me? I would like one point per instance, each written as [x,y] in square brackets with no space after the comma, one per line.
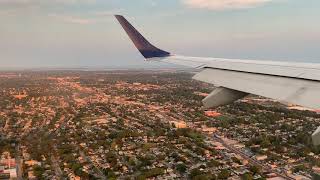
[78,33]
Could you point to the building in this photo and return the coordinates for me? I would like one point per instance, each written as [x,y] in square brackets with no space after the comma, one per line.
[12,173]
[209,130]
[8,162]
[32,163]
[179,124]
[212,114]
[261,157]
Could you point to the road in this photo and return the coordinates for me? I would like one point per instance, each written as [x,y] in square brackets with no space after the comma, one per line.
[56,166]
[19,163]
[250,160]
[97,172]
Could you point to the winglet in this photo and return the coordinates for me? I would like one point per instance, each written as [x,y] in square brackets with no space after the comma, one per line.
[143,45]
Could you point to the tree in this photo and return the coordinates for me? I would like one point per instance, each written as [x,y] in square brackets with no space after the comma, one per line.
[224,174]
[298,168]
[151,173]
[38,171]
[236,160]
[247,176]
[205,177]
[181,167]
[213,163]
[77,169]
[255,169]
[194,173]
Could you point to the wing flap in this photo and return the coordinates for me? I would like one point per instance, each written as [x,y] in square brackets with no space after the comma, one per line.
[222,96]
[284,89]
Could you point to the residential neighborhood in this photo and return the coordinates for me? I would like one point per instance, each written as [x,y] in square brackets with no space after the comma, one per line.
[146,125]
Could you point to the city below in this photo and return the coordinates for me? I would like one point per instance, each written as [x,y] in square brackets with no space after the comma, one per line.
[146,124]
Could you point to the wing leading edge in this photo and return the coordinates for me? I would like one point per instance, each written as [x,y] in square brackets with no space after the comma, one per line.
[297,83]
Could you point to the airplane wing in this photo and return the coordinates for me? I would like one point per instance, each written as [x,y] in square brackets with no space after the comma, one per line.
[297,83]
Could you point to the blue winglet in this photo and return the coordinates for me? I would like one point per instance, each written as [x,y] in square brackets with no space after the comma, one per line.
[143,45]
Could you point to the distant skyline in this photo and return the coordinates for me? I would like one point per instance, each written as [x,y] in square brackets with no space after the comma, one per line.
[83,33]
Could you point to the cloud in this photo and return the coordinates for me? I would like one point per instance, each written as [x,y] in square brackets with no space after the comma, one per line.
[224,4]
[153,3]
[7,12]
[72,19]
[53,1]
[91,18]
[108,12]
[42,2]
[73,1]
[14,1]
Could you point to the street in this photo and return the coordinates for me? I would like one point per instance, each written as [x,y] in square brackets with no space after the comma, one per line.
[250,160]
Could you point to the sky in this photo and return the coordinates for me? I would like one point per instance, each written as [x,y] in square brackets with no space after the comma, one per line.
[83,33]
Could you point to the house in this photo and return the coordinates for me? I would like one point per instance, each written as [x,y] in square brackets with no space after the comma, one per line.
[261,157]
[208,130]
[179,124]
[32,163]
[212,114]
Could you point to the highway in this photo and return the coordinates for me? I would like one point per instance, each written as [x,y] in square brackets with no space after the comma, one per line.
[19,163]
[250,160]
